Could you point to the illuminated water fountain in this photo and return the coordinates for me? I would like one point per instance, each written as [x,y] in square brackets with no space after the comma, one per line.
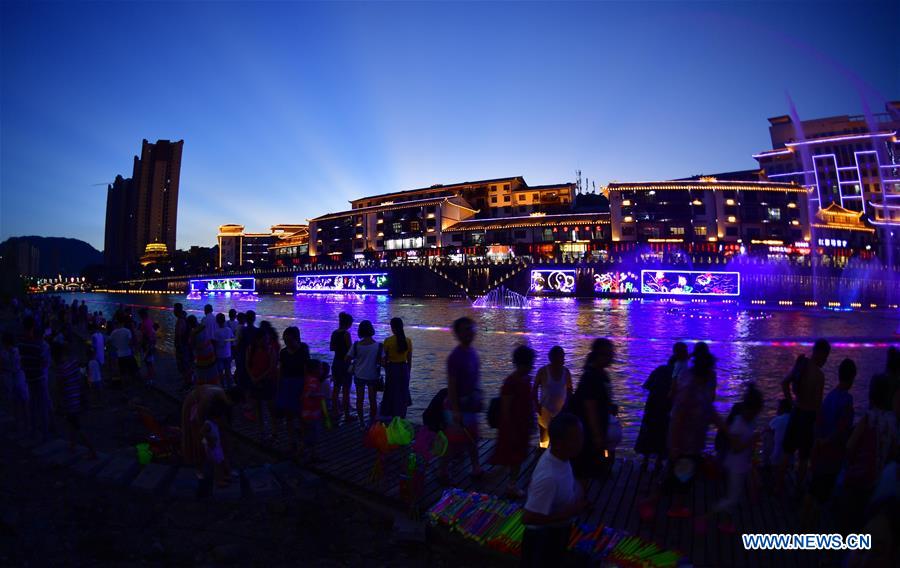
[502,297]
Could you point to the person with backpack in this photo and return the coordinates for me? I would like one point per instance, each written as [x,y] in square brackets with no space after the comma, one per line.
[591,403]
[262,370]
[516,418]
[364,362]
[206,370]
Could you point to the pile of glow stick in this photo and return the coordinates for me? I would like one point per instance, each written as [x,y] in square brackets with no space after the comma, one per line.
[497,524]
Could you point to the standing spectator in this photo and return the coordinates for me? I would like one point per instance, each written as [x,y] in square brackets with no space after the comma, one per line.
[554,498]
[516,418]
[122,340]
[654,430]
[223,339]
[891,378]
[462,405]
[364,360]
[148,344]
[808,385]
[262,369]
[552,387]
[397,364]
[206,369]
[739,457]
[692,413]
[340,345]
[209,320]
[292,368]
[70,383]
[14,381]
[872,445]
[591,403]
[183,358]
[35,358]
[777,428]
[312,403]
[98,342]
[833,428]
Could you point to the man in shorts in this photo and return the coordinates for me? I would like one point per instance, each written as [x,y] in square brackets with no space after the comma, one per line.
[808,385]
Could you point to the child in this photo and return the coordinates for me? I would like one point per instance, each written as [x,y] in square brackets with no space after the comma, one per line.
[71,383]
[311,405]
[95,374]
[212,440]
[833,428]
[739,457]
[775,431]
[14,380]
[98,343]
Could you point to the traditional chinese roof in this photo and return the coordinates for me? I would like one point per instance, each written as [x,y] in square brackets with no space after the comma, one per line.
[836,217]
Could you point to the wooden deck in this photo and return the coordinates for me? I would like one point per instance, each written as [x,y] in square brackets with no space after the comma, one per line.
[614,500]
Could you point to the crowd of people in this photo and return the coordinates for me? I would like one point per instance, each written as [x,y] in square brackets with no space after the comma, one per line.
[838,460]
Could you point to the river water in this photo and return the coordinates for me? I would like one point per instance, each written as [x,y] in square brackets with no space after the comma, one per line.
[750,345]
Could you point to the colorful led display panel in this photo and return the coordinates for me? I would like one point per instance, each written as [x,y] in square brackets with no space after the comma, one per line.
[690,283]
[552,282]
[360,283]
[616,282]
[223,285]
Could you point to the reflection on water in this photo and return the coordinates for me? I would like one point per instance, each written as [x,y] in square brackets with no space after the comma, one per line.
[750,345]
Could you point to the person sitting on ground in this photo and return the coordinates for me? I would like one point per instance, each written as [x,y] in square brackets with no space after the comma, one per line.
[554,497]
[775,433]
[516,419]
[194,414]
[212,443]
[551,391]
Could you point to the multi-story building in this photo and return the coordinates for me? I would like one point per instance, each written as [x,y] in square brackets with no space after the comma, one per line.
[412,223]
[143,210]
[708,210]
[391,230]
[121,208]
[238,248]
[537,235]
[853,161]
[500,197]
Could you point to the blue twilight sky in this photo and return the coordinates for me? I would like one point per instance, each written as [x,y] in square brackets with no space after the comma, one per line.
[288,110]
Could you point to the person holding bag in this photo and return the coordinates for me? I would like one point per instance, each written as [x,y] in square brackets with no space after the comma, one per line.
[364,361]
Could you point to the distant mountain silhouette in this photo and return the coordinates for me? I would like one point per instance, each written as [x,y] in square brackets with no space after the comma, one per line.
[56,255]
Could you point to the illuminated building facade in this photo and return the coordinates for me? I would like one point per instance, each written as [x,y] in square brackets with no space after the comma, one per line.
[708,211]
[408,228]
[239,248]
[500,197]
[853,161]
[537,235]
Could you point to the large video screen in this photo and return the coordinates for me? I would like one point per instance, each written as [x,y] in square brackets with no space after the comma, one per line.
[690,282]
[552,282]
[616,282]
[361,283]
[223,285]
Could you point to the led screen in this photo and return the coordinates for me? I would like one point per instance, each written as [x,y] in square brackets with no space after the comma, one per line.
[616,282]
[690,282]
[371,282]
[552,282]
[223,285]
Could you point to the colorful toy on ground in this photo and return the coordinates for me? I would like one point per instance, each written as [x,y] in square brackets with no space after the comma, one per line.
[400,432]
[376,438]
[497,524]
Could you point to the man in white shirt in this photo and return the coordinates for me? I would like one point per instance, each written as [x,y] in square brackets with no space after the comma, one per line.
[223,339]
[209,321]
[120,340]
[554,497]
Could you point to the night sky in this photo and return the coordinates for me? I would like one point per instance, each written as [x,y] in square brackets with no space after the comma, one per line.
[288,110]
